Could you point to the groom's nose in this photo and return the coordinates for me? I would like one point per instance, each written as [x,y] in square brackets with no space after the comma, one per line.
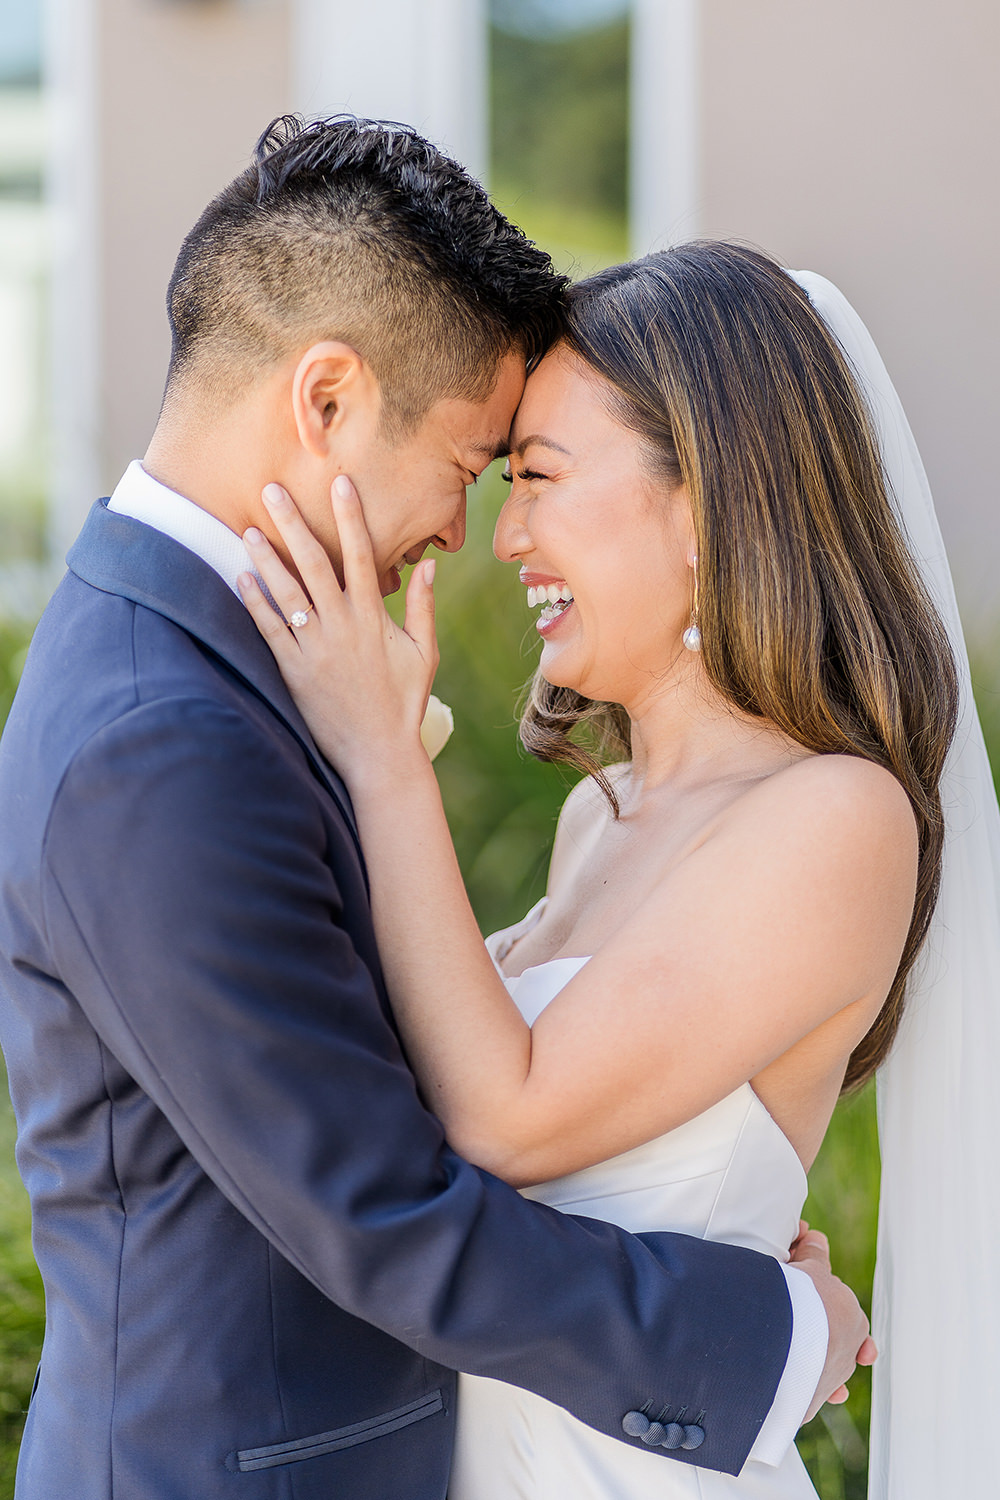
[452,537]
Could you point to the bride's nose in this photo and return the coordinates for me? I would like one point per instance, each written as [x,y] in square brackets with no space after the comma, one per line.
[510,537]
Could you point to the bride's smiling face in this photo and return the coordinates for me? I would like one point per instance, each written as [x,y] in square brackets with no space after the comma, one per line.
[587,519]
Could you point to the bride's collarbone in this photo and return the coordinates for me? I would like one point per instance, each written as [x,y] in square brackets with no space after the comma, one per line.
[591,902]
[617,865]
[604,869]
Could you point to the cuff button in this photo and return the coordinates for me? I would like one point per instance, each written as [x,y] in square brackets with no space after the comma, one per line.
[635,1423]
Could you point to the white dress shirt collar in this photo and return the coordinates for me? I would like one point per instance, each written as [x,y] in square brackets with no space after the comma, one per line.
[144,498]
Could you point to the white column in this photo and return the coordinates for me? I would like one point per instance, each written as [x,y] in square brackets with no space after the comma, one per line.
[422,62]
[155,106]
[663,178]
[75,365]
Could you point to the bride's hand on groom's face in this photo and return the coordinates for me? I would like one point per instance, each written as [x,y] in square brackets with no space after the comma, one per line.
[360,681]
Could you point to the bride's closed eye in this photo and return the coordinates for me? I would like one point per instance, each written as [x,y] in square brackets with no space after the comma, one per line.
[508,477]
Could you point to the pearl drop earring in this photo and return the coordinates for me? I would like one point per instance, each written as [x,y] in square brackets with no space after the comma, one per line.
[692,636]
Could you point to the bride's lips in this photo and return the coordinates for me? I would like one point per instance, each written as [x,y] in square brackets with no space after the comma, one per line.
[547,626]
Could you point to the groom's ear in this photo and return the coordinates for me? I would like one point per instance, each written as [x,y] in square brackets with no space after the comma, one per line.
[332,386]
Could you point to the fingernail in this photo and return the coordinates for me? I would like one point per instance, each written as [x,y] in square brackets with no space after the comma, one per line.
[430,568]
[343,486]
[273,496]
[253,537]
[244,583]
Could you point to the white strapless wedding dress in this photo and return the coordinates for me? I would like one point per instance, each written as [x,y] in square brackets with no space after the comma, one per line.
[730,1175]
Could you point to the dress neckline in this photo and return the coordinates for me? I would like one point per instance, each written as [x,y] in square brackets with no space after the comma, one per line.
[508,936]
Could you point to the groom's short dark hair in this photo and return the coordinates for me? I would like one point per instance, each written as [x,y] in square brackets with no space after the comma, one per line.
[358,230]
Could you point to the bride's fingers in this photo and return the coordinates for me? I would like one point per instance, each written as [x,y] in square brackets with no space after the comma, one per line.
[360,578]
[418,621]
[270,624]
[285,590]
[308,555]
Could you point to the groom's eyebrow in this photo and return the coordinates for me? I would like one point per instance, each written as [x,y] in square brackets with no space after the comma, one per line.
[492,448]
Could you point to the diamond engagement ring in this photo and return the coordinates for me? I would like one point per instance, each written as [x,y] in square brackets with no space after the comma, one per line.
[300,617]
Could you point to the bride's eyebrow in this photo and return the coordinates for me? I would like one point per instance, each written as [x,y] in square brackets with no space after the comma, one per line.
[539,439]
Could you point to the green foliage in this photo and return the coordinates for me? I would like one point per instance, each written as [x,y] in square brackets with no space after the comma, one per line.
[14,640]
[559,120]
[843,1202]
[985,662]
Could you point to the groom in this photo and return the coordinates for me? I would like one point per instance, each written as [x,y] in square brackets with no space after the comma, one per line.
[262,1263]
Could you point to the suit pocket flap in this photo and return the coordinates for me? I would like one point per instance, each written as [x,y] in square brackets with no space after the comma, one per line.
[247,1459]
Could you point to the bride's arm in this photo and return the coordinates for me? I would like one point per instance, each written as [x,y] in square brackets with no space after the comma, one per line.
[791,914]
[362,685]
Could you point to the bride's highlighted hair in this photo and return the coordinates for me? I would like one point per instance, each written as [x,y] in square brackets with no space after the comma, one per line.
[813,615]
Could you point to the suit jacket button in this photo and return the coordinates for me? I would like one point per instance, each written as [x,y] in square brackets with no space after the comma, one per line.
[694,1436]
[635,1423]
[654,1434]
[674,1436]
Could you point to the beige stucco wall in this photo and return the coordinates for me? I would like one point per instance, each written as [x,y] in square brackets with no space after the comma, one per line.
[860,138]
[184,88]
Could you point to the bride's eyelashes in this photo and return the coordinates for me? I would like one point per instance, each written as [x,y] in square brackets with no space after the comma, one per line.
[508,477]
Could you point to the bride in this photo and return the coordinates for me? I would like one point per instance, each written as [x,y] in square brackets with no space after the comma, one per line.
[742,882]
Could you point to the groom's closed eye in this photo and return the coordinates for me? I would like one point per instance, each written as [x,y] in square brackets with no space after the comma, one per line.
[488,452]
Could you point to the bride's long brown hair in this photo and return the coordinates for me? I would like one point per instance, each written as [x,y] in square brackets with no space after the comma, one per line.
[812,613]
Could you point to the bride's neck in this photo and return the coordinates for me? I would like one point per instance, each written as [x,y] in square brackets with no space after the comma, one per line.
[686,735]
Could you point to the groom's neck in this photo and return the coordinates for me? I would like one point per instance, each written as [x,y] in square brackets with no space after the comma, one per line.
[219,464]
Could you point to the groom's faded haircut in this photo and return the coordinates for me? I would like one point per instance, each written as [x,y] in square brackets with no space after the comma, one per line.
[361,231]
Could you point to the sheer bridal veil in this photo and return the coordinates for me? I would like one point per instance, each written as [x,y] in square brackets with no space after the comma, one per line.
[936,1318]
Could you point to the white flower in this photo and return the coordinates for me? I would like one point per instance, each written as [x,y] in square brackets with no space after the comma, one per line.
[438,723]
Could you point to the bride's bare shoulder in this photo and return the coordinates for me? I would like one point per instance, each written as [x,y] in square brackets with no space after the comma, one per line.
[841,801]
[844,781]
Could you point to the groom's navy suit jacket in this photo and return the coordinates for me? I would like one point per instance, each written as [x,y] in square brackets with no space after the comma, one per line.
[262,1264]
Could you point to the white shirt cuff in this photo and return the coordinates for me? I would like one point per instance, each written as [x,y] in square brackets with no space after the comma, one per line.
[806,1358]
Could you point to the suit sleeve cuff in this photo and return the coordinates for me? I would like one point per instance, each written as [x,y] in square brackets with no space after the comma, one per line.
[806,1358]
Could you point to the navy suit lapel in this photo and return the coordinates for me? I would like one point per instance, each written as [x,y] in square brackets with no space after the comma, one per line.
[123,556]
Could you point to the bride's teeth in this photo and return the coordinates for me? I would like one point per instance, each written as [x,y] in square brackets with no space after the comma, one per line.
[549,594]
